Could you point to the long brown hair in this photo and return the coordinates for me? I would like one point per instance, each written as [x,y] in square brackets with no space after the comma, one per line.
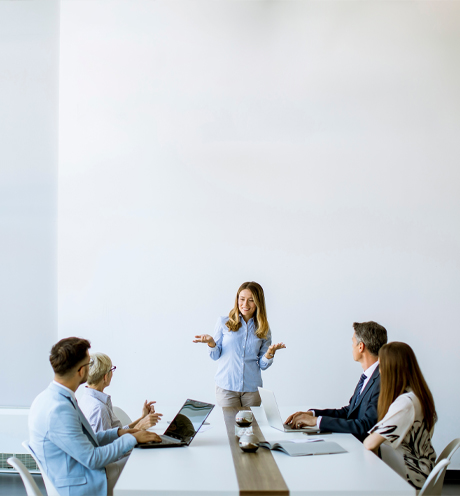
[260,315]
[399,370]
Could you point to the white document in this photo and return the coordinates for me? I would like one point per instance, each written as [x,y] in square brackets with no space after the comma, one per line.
[316,439]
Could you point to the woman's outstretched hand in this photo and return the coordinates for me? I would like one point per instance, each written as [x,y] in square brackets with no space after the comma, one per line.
[205,338]
[272,350]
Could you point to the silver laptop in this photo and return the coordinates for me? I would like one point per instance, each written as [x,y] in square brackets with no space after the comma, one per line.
[273,414]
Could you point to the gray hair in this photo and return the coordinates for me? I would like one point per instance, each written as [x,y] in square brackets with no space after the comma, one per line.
[373,335]
[101,366]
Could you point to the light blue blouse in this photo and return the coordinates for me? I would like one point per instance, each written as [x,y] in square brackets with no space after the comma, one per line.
[240,356]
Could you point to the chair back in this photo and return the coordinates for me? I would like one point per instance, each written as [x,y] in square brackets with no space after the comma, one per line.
[434,482]
[50,489]
[449,450]
[29,483]
[121,415]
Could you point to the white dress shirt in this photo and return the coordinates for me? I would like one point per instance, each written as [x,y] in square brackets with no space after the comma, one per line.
[368,373]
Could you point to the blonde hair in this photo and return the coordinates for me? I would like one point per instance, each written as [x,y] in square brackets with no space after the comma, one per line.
[260,315]
[101,366]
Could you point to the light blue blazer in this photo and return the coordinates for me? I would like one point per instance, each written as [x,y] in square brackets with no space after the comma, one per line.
[71,454]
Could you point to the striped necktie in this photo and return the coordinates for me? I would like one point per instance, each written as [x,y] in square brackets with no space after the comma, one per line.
[359,387]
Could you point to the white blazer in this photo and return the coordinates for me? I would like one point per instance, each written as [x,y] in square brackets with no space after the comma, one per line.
[71,454]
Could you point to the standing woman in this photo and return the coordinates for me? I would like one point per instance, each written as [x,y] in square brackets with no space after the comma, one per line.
[407,415]
[242,346]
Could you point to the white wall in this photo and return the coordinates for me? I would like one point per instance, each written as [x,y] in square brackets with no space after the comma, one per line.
[29,49]
[310,146]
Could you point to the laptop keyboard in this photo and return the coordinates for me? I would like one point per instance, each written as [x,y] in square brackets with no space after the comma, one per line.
[303,429]
[169,440]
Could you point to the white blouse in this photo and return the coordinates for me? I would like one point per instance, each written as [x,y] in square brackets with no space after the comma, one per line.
[404,429]
[97,407]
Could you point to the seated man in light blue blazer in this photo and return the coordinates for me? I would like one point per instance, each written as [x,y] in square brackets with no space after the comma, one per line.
[76,460]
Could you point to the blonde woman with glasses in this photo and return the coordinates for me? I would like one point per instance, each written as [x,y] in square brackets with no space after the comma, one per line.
[97,405]
[242,347]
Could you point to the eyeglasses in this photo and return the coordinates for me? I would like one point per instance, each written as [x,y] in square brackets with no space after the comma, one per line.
[113,368]
[86,364]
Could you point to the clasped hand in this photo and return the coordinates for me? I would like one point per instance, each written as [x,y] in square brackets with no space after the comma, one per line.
[149,417]
[148,407]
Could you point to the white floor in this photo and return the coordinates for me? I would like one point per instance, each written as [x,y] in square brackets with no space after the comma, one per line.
[11,485]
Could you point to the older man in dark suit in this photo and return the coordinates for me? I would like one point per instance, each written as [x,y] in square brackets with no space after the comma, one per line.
[360,415]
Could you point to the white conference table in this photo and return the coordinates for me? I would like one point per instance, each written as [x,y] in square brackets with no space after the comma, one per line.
[206,466]
[357,472]
[203,468]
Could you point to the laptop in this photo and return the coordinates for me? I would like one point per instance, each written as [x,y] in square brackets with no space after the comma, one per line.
[183,427]
[273,414]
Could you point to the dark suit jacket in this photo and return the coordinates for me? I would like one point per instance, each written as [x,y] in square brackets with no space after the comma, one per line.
[358,420]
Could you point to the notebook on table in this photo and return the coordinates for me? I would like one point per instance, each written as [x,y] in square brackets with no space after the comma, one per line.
[304,449]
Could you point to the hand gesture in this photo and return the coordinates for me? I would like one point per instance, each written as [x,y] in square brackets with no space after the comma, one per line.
[301,419]
[147,437]
[148,408]
[148,421]
[273,348]
[205,338]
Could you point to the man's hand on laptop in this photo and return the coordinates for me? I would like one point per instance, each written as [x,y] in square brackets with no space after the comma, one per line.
[301,419]
[141,436]
[147,437]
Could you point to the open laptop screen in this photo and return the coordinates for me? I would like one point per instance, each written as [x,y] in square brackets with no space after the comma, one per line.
[188,421]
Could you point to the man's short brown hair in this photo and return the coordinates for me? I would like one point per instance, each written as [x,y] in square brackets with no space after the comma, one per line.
[67,353]
[373,335]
